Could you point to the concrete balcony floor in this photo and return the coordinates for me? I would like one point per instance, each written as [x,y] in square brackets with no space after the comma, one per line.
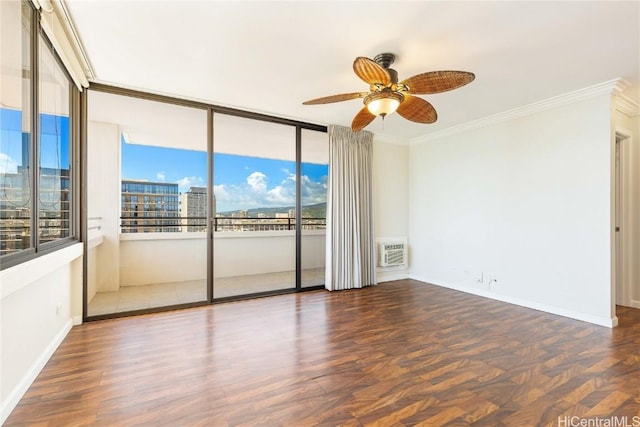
[129,298]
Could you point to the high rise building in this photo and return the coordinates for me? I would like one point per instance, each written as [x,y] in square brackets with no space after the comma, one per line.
[193,209]
[15,212]
[150,207]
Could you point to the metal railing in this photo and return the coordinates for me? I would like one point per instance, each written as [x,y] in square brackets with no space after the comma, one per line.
[95,223]
[194,224]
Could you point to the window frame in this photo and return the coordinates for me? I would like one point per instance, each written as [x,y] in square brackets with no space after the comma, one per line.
[37,249]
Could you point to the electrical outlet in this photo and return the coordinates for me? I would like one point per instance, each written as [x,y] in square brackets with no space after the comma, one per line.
[480,278]
[58,309]
[491,279]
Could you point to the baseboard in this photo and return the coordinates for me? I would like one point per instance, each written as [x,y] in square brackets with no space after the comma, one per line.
[390,276]
[584,317]
[77,320]
[614,322]
[16,394]
[635,303]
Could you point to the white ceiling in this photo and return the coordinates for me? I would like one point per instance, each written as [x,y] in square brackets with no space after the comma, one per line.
[269,57]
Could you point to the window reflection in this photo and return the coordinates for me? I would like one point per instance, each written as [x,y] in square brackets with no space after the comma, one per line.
[15,127]
[54,155]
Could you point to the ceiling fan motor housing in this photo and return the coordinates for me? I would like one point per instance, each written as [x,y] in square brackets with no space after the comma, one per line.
[385,60]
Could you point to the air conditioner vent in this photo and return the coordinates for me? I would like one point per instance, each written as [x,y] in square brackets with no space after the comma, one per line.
[392,254]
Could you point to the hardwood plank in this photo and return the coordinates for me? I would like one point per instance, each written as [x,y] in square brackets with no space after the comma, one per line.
[609,404]
[402,353]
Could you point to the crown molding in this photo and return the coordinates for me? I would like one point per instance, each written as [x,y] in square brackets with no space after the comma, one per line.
[626,105]
[615,86]
[69,27]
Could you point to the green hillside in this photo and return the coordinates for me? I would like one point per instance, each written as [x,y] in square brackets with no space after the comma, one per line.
[318,210]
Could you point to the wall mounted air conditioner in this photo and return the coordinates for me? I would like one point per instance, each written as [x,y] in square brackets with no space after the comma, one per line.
[392,254]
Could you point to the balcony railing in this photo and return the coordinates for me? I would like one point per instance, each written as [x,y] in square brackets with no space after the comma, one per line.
[194,224]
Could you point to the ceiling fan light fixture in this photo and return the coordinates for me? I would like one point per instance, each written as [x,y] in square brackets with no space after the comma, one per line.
[387,95]
[383,103]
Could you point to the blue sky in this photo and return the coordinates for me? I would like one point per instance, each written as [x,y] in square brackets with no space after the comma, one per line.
[54,146]
[240,182]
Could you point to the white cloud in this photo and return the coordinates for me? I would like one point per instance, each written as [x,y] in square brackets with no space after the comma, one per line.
[220,193]
[256,193]
[313,191]
[190,181]
[281,196]
[257,182]
[8,164]
[160,176]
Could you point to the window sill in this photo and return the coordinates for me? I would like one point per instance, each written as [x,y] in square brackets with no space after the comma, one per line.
[17,277]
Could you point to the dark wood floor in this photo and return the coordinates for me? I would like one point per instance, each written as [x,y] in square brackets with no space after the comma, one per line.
[398,354]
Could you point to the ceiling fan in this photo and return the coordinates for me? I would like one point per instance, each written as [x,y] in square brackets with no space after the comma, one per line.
[387,95]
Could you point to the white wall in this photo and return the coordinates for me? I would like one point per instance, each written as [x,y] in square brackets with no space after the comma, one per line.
[634,180]
[629,125]
[527,200]
[391,196]
[249,253]
[313,251]
[174,257]
[150,258]
[103,201]
[40,299]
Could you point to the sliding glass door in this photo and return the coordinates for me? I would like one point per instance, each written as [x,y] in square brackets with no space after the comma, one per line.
[314,170]
[254,188]
[146,202]
[188,205]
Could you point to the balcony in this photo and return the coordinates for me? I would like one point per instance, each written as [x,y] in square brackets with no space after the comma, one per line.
[144,241]
[148,269]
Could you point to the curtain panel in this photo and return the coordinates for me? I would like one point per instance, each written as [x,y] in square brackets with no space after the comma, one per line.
[350,261]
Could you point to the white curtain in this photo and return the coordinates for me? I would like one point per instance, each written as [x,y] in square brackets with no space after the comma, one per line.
[350,261]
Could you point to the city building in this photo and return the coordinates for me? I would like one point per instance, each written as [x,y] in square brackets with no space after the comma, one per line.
[15,216]
[193,209]
[149,207]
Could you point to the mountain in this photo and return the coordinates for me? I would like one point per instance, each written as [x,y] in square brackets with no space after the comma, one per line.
[318,210]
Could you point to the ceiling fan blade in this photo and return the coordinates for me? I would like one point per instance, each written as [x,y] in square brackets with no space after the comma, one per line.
[417,110]
[362,119]
[437,81]
[336,98]
[370,71]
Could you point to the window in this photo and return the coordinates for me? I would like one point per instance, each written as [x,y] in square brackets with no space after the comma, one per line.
[259,194]
[16,183]
[54,143]
[166,185]
[36,142]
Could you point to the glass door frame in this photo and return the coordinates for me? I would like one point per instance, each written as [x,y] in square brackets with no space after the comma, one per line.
[211,111]
[299,126]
